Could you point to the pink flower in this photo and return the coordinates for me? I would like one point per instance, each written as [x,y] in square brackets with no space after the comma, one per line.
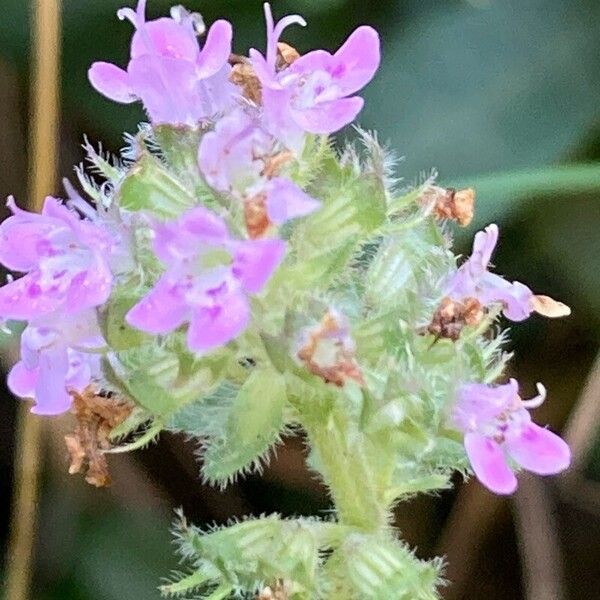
[64,258]
[207,280]
[473,280]
[497,425]
[54,362]
[178,82]
[235,158]
[315,93]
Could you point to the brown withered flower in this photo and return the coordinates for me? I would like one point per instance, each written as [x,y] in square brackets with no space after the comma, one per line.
[256,215]
[329,351]
[452,317]
[96,416]
[242,74]
[449,203]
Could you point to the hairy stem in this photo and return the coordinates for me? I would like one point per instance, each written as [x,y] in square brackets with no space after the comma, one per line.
[342,461]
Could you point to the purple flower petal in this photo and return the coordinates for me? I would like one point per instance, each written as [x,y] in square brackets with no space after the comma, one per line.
[179,240]
[91,287]
[162,310]
[255,261]
[216,50]
[51,394]
[27,232]
[517,299]
[217,325]
[24,299]
[478,403]
[166,87]
[112,82]
[483,248]
[165,37]
[22,381]
[489,464]
[329,117]
[357,61]
[285,201]
[539,450]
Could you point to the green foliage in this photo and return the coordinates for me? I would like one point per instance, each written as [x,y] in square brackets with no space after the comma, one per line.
[149,186]
[251,424]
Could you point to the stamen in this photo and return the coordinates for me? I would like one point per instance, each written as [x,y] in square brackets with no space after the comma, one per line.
[274,32]
[537,400]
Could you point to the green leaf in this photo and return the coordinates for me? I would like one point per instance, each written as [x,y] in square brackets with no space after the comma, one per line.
[254,423]
[501,195]
[255,553]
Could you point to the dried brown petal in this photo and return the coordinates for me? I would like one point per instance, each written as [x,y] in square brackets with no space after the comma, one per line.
[96,416]
[329,352]
[243,75]
[256,216]
[286,56]
[452,317]
[449,203]
[548,307]
[275,163]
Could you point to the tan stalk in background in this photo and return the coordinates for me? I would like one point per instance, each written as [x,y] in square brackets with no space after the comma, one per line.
[42,181]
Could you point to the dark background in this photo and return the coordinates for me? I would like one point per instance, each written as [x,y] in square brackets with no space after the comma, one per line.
[502,95]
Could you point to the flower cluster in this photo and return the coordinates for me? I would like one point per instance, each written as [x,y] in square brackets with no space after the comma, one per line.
[234,257]
[67,275]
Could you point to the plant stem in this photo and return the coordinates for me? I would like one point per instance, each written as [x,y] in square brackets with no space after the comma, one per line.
[344,466]
[44,134]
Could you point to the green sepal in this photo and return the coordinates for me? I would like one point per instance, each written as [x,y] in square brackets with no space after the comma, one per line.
[378,567]
[149,186]
[160,379]
[118,334]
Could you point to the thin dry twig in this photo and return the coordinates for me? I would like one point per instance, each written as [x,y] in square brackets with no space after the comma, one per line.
[539,545]
[43,144]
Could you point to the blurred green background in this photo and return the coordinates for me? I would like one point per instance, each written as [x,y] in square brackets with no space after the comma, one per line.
[501,95]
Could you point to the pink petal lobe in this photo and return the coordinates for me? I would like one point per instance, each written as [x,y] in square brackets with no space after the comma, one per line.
[217,325]
[539,450]
[51,394]
[111,81]
[161,311]
[287,201]
[489,464]
[216,50]
[24,299]
[357,60]
[329,117]
[255,261]
[21,381]
[165,37]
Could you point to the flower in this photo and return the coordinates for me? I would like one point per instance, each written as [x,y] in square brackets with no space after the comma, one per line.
[178,82]
[54,362]
[207,280]
[240,158]
[64,258]
[329,351]
[497,425]
[314,93]
[473,280]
